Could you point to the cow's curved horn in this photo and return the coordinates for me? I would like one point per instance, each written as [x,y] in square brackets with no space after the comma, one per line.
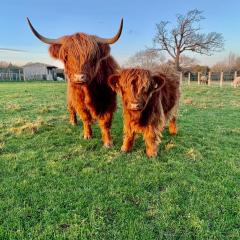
[115,38]
[42,38]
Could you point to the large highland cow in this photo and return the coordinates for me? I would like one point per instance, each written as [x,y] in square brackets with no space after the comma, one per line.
[87,64]
[149,100]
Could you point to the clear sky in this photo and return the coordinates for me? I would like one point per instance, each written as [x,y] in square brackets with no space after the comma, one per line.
[55,18]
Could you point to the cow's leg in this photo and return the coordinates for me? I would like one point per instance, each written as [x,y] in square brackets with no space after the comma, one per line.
[128,140]
[105,123]
[87,130]
[87,120]
[172,126]
[73,115]
[152,141]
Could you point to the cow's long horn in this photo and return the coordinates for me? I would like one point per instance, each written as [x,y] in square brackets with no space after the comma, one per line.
[42,38]
[114,39]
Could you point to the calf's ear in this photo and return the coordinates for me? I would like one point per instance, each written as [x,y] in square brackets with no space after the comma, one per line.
[158,82]
[113,82]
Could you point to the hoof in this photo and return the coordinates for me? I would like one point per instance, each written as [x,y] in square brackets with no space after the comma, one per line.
[173,131]
[124,149]
[73,123]
[152,155]
[108,145]
[87,137]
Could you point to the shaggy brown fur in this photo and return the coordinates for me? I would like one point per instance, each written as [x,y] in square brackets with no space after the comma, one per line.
[91,97]
[149,100]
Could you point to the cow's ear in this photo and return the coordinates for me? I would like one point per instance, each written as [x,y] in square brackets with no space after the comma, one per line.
[158,82]
[54,51]
[113,82]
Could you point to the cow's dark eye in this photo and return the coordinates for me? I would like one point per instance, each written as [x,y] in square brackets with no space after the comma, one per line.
[94,60]
[65,59]
[145,90]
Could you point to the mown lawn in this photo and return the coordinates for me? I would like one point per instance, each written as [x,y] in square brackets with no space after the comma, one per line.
[56,185]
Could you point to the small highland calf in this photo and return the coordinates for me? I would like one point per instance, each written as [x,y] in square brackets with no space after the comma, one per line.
[149,100]
[236,82]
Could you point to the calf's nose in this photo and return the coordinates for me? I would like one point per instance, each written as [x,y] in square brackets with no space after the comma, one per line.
[136,106]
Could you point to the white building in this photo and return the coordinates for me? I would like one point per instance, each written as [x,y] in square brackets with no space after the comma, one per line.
[39,71]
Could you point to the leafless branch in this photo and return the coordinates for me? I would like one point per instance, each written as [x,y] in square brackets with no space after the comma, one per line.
[186,36]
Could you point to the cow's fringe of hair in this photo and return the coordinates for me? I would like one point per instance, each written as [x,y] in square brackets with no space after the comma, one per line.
[87,48]
[128,74]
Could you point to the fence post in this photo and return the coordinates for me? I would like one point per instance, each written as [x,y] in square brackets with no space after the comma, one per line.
[221,79]
[189,78]
[235,75]
[181,78]
[209,78]
[198,78]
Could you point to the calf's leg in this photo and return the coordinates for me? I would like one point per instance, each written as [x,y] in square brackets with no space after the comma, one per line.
[105,122]
[152,141]
[128,140]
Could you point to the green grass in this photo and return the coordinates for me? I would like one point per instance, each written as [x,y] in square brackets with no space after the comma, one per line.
[56,185]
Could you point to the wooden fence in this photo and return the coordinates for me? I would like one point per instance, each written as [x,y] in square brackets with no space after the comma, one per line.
[16,75]
[212,77]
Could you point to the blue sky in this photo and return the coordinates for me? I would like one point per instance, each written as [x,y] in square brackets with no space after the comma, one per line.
[55,18]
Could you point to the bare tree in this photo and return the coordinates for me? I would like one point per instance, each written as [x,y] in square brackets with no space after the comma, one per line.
[3,64]
[8,65]
[186,36]
[200,68]
[237,63]
[187,62]
[231,61]
[148,59]
[219,67]
[229,64]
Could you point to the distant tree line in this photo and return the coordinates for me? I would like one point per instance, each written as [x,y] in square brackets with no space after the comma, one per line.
[8,66]
[230,64]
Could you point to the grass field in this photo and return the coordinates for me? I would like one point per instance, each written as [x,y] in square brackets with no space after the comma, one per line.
[56,185]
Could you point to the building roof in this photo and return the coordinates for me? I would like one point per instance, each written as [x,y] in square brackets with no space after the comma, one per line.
[39,64]
[60,70]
